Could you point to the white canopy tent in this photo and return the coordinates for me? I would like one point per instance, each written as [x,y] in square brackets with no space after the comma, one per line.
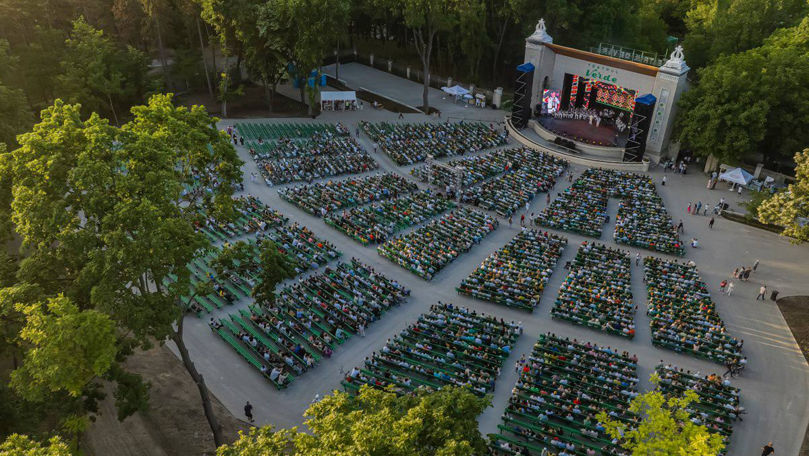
[736,176]
[338,100]
[455,90]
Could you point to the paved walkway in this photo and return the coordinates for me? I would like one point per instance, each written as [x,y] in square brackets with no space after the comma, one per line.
[774,385]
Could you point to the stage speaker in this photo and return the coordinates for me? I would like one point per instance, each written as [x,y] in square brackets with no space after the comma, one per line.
[639,127]
[521,110]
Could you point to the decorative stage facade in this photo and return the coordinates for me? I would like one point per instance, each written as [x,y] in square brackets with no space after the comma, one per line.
[599,101]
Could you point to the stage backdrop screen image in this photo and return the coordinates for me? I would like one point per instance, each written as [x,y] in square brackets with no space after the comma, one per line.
[616,97]
[551,101]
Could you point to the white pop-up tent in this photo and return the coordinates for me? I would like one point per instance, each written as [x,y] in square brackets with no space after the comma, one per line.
[455,90]
[338,100]
[736,176]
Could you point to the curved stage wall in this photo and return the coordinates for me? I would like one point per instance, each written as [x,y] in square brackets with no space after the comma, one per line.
[576,159]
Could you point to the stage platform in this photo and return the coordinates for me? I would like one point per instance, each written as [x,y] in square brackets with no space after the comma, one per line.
[592,156]
[582,131]
[612,153]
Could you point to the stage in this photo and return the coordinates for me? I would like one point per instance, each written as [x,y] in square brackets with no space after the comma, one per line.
[580,131]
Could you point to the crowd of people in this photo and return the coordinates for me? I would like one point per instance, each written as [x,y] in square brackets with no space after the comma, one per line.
[719,402]
[253,216]
[582,207]
[527,172]
[301,246]
[407,144]
[322,155]
[381,220]
[683,316]
[642,219]
[326,197]
[450,345]
[476,169]
[562,388]
[429,249]
[597,291]
[309,319]
[516,274]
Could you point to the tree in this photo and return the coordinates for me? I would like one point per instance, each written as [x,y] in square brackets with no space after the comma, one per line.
[751,104]
[375,422]
[15,115]
[426,18]
[271,268]
[316,27]
[22,445]
[790,208]
[665,427]
[226,92]
[97,73]
[106,219]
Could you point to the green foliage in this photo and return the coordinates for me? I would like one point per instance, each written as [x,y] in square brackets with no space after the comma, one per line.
[752,103]
[99,74]
[790,208]
[378,423]
[756,198]
[272,266]
[664,428]
[15,115]
[69,348]
[22,445]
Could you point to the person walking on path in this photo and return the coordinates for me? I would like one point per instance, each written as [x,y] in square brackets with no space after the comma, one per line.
[509,221]
[663,183]
[761,292]
[680,228]
[722,286]
[755,265]
[637,259]
[767,450]
[699,206]
[548,198]
[710,223]
[522,220]
[688,210]
[248,411]
[730,288]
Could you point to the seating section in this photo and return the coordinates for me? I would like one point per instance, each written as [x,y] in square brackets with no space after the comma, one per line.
[564,385]
[516,274]
[427,250]
[478,169]
[407,144]
[528,173]
[447,346]
[379,221]
[301,246]
[322,155]
[718,405]
[253,215]
[308,320]
[642,220]
[683,316]
[264,131]
[582,208]
[597,291]
[325,197]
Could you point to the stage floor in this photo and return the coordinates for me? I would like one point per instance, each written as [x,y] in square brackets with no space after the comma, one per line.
[573,129]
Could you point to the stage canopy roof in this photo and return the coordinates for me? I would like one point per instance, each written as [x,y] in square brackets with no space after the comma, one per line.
[338,96]
[737,176]
[455,90]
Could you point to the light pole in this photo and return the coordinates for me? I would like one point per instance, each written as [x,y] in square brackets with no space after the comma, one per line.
[337,64]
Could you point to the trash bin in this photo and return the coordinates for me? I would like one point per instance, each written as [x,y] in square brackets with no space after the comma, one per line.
[774,295]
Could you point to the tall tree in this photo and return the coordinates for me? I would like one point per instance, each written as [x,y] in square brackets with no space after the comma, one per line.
[790,208]
[15,116]
[271,266]
[427,18]
[665,427]
[98,73]
[106,217]
[751,105]
[440,423]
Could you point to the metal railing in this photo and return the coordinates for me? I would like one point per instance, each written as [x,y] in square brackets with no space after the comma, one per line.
[625,53]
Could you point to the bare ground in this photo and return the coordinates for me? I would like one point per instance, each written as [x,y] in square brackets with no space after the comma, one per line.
[174,425]
[252,104]
[795,310]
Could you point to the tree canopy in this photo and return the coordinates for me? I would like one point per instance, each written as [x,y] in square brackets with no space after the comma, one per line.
[790,207]
[380,423]
[751,105]
[665,427]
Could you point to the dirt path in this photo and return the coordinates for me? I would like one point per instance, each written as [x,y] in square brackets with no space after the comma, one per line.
[173,426]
